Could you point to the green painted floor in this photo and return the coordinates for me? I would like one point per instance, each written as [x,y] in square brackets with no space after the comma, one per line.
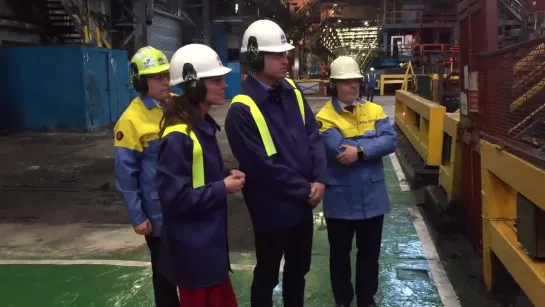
[405,281]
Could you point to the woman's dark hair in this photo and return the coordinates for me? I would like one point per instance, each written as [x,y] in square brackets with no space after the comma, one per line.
[178,110]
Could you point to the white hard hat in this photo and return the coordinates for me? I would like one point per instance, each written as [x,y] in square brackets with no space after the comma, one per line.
[345,67]
[270,37]
[372,69]
[204,59]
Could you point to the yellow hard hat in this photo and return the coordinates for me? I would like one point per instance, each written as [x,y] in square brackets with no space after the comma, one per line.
[149,61]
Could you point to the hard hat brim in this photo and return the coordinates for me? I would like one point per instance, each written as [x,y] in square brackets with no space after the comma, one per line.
[155,70]
[347,76]
[273,49]
[220,71]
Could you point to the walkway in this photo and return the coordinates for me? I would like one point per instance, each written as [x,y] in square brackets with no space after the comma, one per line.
[411,273]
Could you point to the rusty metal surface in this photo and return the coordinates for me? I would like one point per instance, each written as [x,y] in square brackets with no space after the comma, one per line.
[478,32]
[512,83]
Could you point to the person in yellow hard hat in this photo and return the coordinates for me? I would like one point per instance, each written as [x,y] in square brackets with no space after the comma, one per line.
[136,145]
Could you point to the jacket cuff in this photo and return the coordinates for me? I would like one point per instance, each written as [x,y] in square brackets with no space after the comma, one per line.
[219,191]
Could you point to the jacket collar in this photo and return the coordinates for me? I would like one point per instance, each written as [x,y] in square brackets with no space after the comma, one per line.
[259,91]
[208,125]
[151,103]
[338,106]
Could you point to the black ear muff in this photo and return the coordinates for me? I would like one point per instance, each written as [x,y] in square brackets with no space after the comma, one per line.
[255,59]
[333,88]
[193,87]
[140,83]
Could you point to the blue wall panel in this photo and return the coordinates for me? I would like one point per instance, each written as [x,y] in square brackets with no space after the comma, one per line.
[62,88]
[219,35]
[233,80]
[121,82]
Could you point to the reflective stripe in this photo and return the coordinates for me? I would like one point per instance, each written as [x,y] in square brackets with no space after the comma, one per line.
[299,97]
[259,120]
[197,167]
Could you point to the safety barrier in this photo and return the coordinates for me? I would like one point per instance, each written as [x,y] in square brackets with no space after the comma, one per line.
[421,121]
[390,79]
[311,86]
[451,158]
[513,207]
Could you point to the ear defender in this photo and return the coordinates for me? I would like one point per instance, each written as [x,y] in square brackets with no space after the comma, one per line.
[140,83]
[193,87]
[253,56]
[333,88]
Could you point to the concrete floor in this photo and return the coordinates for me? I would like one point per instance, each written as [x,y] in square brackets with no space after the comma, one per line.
[65,241]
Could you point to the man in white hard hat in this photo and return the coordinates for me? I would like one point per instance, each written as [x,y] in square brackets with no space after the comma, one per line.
[356,134]
[274,136]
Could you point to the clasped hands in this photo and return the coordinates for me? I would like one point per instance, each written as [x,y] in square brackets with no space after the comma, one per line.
[316,193]
[348,156]
[235,181]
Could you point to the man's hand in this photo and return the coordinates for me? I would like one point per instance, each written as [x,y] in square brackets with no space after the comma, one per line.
[316,193]
[237,174]
[143,229]
[348,156]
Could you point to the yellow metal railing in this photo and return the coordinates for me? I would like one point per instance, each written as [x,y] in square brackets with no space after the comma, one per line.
[315,27]
[505,179]
[405,80]
[303,8]
[89,26]
[421,121]
[451,158]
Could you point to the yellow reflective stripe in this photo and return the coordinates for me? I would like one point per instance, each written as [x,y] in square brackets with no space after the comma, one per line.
[299,97]
[197,168]
[259,120]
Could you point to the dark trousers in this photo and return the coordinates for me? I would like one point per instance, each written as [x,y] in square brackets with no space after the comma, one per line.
[370,93]
[368,240]
[166,294]
[295,244]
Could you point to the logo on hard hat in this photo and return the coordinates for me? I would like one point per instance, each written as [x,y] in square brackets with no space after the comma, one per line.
[283,39]
[148,62]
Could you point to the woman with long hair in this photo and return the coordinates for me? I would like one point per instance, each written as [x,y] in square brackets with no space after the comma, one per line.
[192,183]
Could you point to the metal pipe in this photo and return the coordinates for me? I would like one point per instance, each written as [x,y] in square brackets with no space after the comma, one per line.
[129,37]
[165,14]
[18,24]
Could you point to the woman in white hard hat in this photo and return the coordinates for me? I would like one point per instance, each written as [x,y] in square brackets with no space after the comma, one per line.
[274,136]
[192,183]
[356,134]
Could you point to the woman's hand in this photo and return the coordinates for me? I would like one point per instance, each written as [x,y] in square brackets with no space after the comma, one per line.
[234,183]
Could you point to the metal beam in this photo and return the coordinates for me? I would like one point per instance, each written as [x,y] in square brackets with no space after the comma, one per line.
[8,23]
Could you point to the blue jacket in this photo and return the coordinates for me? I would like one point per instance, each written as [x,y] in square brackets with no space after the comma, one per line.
[370,80]
[135,149]
[194,251]
[277,188]
[356,191]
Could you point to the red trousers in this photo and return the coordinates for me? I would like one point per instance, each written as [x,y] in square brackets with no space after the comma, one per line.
[220,295]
